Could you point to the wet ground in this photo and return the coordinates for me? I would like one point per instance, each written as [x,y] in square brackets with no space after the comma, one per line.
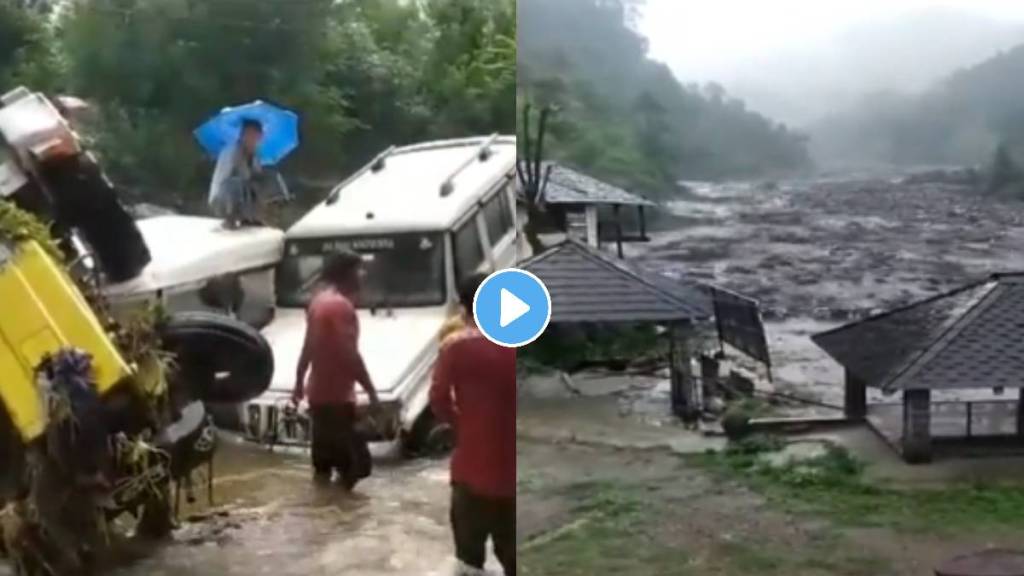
[818,254]
[270,518]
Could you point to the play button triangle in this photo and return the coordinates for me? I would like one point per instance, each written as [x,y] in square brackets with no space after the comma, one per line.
[512,308]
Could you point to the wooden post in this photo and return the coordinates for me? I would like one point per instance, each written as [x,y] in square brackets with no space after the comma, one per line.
[643,223]
[618,229]
[684,361]
[856,400]
[685,390]
[917,432]
[1020,413]
[590,212]
[676,393]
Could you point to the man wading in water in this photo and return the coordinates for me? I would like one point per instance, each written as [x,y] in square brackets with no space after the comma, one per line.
[330,355]
[474,390]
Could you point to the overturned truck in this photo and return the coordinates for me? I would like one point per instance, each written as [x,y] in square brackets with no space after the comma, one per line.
[102,420]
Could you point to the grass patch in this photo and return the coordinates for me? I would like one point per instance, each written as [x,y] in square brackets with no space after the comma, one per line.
[747,558]
[614,534]
[621,529]
[833,485]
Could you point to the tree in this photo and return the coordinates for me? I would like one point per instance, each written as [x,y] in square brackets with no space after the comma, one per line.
[626,118]
[362,74]
[532,177]
[1005,172]
[21,31]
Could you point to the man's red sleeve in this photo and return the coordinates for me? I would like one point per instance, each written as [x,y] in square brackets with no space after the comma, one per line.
[442,400]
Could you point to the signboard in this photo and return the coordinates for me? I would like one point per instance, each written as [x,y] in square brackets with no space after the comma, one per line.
[410,243]
[739,324]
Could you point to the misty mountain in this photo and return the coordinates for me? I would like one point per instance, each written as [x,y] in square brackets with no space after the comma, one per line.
[959,120]
[625,117]
[903,54]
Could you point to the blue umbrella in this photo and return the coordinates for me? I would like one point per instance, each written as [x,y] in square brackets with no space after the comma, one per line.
[280,130]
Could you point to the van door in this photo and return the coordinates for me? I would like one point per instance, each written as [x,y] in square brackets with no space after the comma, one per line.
[470,250]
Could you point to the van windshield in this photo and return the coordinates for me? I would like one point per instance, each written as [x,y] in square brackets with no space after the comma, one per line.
[402,270]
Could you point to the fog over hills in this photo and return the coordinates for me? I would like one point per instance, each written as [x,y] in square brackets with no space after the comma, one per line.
[824,71]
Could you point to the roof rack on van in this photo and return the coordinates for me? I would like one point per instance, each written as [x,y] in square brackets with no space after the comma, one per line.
[481,154]
[375,165]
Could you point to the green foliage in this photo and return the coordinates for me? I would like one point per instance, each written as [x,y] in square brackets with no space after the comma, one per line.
[565,351]
[625,117]
[17,225]
[17,31]
[834,485]
[363,75]
[26,54]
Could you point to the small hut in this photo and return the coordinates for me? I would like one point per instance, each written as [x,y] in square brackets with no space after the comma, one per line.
[950,359]
[587,286]
[591,210]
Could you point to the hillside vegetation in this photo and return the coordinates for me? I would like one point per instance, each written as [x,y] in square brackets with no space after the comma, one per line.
[625,117]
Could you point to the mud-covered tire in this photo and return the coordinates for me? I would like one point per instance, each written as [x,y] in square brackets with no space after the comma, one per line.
[156,520]
[428,438]
[219,359]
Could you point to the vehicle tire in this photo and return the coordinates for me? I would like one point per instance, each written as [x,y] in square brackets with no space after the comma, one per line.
[428,438]
[156,521]
[190,441]
[219,359]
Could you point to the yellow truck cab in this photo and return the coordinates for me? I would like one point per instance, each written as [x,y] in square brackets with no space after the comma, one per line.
[44,311]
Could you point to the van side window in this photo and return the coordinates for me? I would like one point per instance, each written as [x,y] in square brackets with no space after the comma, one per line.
[507,206]
[499,222]
[469,251]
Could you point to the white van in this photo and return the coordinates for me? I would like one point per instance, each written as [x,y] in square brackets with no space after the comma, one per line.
[423,217]
[198,265]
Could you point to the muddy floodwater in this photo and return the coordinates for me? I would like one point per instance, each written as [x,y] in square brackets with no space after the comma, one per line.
[820,253]
[270,518]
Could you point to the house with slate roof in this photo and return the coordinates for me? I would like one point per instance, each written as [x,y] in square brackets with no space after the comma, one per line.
[588,286]
[950,359]
[591,210]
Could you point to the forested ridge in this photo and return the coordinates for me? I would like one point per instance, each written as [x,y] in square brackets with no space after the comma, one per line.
[625,117]
[363,74]
[961,120]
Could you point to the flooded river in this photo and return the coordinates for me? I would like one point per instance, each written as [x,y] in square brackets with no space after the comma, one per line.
[276,521]
[821,253]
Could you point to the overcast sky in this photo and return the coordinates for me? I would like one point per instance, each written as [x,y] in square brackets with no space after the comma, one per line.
[707,39]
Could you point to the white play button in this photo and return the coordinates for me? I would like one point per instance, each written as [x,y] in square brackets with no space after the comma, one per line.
[512,308]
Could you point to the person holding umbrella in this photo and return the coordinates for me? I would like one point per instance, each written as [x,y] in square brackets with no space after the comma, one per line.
[232,190]
[245,140]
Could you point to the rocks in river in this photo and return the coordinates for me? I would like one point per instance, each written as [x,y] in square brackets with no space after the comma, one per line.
[774,261]
[807,278]
[738,270]
[968,177]
[774,313]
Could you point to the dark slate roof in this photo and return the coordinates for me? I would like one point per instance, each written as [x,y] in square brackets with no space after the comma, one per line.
[972,337]
[586,285]
[568,186]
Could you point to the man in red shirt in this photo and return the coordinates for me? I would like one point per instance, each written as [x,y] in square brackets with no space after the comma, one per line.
[474,390]
[330,355]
